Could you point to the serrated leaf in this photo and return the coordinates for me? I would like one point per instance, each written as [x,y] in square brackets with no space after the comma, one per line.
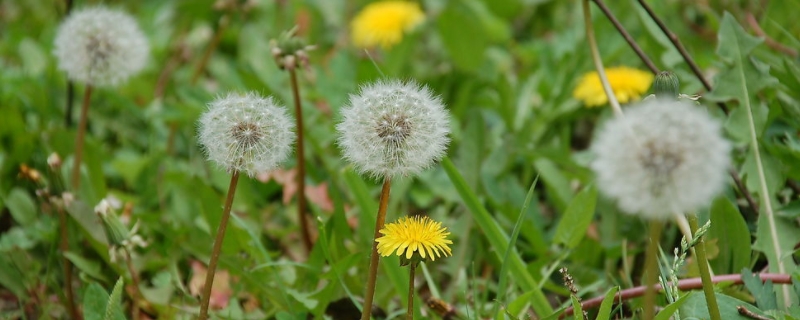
[114,306]
[743,74]
[729,227]
[577,218]
[95,299]
[763,292]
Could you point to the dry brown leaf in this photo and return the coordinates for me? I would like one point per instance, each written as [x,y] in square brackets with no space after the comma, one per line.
[221,289]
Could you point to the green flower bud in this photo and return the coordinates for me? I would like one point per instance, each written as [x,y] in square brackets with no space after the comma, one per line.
[666,85]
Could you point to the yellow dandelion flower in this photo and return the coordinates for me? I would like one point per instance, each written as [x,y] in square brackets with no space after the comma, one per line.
[414,234]
[383,23]
[628,85]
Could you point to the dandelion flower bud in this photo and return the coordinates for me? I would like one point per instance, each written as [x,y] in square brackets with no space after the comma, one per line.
[100,47]
[393,128]
[663,157]
[246,133]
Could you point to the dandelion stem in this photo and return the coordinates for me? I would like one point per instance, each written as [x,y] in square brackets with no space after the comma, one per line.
[137,295]
[64,246]
[301,163]
[223,23]
[215,251]
[632,43]
[374,259]
[705,273]
[412,269]
[70,97]
[679,46]
[766,197]
[598,62]
[651,269]
[76,165]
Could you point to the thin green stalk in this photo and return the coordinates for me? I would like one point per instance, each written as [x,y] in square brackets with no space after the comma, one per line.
[765,194]
[215,251]
[499,241]
[301,163]
[76,165]
[372,278]
[412,269]
[651,269]
[598,62]
[705,273]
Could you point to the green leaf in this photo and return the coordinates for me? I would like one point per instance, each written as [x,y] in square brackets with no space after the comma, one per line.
[114,306]
[464,40]
[729,227]
[763,292]
[670,309]
[577,313]
[21,206]
[608,301]
[695,306]
[91,268]
[734,48]
[572,227]
[497,239]
[95,299]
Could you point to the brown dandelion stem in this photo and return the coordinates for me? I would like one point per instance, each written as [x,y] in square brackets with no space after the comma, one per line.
[301,163]
[683,285]
[598,61]
[374,258]
[223,23]
[412,270]
[215,251]
[705,273]
[76,165]
[137,294]
[64,246]
[676,42]
[651,269]
[632,43]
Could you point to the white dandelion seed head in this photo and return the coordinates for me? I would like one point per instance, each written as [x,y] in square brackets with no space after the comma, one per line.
[394,128]
[662,158]
[246,133]
[100,47]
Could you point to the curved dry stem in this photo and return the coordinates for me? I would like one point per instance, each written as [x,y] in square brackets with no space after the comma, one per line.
[305,230]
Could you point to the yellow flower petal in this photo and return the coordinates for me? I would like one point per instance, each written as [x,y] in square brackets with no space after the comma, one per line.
[628,84]
[383,23]
[415,234]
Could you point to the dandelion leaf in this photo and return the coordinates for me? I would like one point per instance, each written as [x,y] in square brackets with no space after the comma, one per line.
[695,307]
[743,75]
[577,218]
[730,229]
[763,292]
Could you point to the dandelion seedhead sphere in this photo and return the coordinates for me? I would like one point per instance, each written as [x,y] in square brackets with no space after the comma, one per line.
[246,133]
[393,128]
[100,47]
[662,158]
